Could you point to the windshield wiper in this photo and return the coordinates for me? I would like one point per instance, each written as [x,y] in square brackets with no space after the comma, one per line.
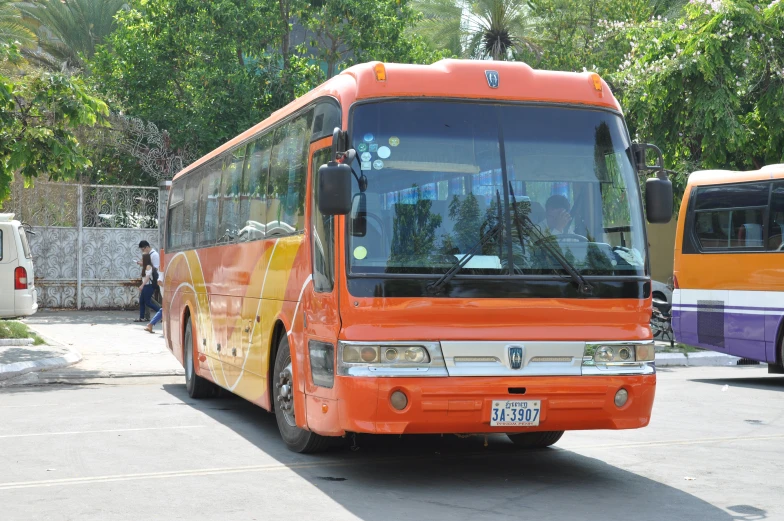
[438,286]
[525,224]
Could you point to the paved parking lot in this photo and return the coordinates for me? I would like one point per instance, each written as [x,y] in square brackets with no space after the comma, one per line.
[140,448]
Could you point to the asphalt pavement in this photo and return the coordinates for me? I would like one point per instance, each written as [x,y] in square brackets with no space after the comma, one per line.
[127,443]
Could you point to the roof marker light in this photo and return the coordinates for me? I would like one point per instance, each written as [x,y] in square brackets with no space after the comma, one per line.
[381,72]
[597,83]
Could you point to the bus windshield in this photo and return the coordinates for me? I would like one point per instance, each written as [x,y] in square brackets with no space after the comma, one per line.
[440,175]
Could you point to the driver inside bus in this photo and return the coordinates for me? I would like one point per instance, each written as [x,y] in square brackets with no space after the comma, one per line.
[557,217]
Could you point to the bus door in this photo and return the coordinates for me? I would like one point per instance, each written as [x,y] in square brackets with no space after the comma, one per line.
[320,303]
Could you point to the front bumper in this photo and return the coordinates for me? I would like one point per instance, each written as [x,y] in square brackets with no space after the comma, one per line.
[462,404]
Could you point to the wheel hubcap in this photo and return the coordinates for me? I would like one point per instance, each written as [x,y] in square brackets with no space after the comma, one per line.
[286,395]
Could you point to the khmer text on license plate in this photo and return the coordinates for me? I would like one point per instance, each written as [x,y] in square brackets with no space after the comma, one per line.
[515,413]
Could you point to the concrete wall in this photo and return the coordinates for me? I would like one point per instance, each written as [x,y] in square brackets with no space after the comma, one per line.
[661,238]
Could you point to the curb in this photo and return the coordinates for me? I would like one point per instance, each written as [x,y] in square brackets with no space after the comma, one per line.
[8,371]
[707,359]
[9,342]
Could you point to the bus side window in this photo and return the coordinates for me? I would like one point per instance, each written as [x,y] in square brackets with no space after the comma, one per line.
[775,240]
[288,173]
[323,233]
[176,215]
[229,227]
[209,198]
[253,198]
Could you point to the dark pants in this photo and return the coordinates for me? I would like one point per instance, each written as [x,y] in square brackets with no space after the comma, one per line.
[145,300]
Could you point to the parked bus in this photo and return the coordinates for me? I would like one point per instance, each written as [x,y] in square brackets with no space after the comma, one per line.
[729,264]
[422,249]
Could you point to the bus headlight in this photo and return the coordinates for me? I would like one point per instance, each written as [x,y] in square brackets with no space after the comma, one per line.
[631,357]
[391,359]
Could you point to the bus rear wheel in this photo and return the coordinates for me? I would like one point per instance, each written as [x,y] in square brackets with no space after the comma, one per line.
[535,440]
[283,389]
[196,386]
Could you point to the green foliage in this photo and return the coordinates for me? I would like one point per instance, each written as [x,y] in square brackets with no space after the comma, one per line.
[38,117]
[16,329]
[567,32]
[202,70]
[479,29]
[707,87]
[70,30]
[12,28]
[354,31]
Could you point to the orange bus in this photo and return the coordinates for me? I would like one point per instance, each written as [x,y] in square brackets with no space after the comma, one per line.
[452,248]
[728,272]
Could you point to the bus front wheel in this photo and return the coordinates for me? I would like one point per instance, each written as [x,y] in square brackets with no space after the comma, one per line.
[196,386]
[535,440]
[283,389]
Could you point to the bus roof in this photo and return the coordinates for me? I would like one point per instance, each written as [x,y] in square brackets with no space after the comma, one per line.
[459,79]
[718,177]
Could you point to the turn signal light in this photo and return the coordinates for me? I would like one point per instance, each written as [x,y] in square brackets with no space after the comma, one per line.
[20,278]
[381,72]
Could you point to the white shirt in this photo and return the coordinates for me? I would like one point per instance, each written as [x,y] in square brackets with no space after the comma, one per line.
[156,259]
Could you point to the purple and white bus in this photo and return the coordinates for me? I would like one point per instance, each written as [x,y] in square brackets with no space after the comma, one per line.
[729,264]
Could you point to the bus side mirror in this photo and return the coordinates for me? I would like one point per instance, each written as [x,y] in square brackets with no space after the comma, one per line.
[639,153]
[358,222]
[658,200]
[334,189]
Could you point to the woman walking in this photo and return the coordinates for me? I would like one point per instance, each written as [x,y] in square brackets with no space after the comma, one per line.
[159,314]
[147,288]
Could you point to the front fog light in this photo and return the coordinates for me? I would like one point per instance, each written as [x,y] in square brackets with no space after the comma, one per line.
[399,400]
[621,397]
[603,354]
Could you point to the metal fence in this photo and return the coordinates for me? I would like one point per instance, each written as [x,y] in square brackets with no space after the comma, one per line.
[85,240]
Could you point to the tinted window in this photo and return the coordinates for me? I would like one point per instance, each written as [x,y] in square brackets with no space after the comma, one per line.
[775,241]
[323,233]
[175,219]
[209,202]
[230,193]
[253,200]
[190,210]
[327,117]
[729,229]
[732,196]
[288,174]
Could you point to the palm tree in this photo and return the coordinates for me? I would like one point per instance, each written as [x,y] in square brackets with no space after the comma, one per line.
[12,28]
[479,29]
[70,29]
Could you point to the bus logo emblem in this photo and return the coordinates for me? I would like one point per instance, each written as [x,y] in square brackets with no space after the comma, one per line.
[492,79]
[515,357]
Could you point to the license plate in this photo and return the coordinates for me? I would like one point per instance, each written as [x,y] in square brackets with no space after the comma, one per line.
[515,413]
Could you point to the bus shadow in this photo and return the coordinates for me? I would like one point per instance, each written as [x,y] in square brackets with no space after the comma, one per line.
[771,383]
[380,478]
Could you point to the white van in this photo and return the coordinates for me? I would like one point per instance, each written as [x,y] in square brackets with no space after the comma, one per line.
[18,296]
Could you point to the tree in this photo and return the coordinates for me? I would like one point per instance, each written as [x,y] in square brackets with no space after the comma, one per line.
[70,30]
[39,114]
[203,70]
[497,29]
[353,31]
[12,28]
[568,32]
[708,87]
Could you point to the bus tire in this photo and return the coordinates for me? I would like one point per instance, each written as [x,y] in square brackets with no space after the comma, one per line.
[196,386]
[535,440]
[283,388]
